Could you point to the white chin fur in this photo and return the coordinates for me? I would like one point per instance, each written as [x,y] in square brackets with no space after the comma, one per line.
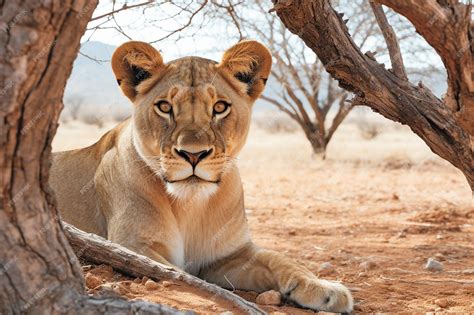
[191,192]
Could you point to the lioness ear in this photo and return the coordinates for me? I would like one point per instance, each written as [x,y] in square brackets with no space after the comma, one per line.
[250,63]
[134,62]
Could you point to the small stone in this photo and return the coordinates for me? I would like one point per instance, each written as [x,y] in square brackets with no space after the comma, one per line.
[325,268]
[402,234]
[292,232]
[439,257]
[227,313]
[362,274]
[105,287]
[166,283]
[145,279]
[367,265]
[443,303]
[151,285]
[271,297]
[92,281]
[120,289]
[433,265]
[137,280]
[278,313]
[468,272]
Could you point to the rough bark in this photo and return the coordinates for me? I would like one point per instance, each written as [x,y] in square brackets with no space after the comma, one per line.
[444,127]
[391,40]
[446,25]
[95,249]
[39,272]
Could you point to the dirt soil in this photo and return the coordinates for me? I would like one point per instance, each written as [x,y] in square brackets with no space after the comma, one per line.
[375,210]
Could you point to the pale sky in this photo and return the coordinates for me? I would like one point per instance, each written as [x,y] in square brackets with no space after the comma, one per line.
[208,41]
[205,37]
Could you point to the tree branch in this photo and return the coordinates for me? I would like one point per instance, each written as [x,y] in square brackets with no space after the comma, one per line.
[116,305]
[280,106]
[299,104]
[188,23]
[124,7]
[446,26]
[390,37]
[341,114]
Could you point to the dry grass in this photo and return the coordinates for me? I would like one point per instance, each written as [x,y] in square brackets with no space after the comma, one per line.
[275,122]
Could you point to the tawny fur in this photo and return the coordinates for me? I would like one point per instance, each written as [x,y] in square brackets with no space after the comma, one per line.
[134,189]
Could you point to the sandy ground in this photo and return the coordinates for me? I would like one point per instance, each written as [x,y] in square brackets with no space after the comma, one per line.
[375,210]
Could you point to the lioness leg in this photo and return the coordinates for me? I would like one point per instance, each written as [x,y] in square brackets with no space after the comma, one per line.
[154,252]
[148,235]
[258,269]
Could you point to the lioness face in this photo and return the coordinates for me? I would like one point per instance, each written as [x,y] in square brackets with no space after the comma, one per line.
[192,115]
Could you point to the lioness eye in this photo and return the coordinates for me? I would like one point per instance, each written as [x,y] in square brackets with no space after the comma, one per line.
[163,106]
[221,107]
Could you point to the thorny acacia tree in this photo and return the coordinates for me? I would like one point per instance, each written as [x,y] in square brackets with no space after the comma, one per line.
[447,125]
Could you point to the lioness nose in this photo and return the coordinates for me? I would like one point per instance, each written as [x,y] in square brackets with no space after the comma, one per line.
[194,157]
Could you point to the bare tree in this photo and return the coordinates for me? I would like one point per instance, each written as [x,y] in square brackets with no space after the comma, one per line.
[303,92]
[447,126]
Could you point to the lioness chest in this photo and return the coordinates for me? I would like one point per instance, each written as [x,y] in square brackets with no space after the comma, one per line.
[206,234]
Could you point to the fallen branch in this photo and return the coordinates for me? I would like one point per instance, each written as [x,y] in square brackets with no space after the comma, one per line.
[96,249]
[118,305]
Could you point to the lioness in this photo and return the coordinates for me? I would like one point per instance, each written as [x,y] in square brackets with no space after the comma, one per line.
[164,182]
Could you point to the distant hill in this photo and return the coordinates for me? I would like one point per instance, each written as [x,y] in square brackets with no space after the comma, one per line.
[94,82]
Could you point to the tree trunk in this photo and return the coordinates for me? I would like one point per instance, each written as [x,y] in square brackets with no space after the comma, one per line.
[318,144]
[39,272]
[444,127]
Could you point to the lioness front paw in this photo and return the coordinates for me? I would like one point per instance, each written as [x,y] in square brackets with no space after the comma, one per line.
[321,295]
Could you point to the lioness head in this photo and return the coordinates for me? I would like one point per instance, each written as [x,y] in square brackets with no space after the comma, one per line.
[191,115]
